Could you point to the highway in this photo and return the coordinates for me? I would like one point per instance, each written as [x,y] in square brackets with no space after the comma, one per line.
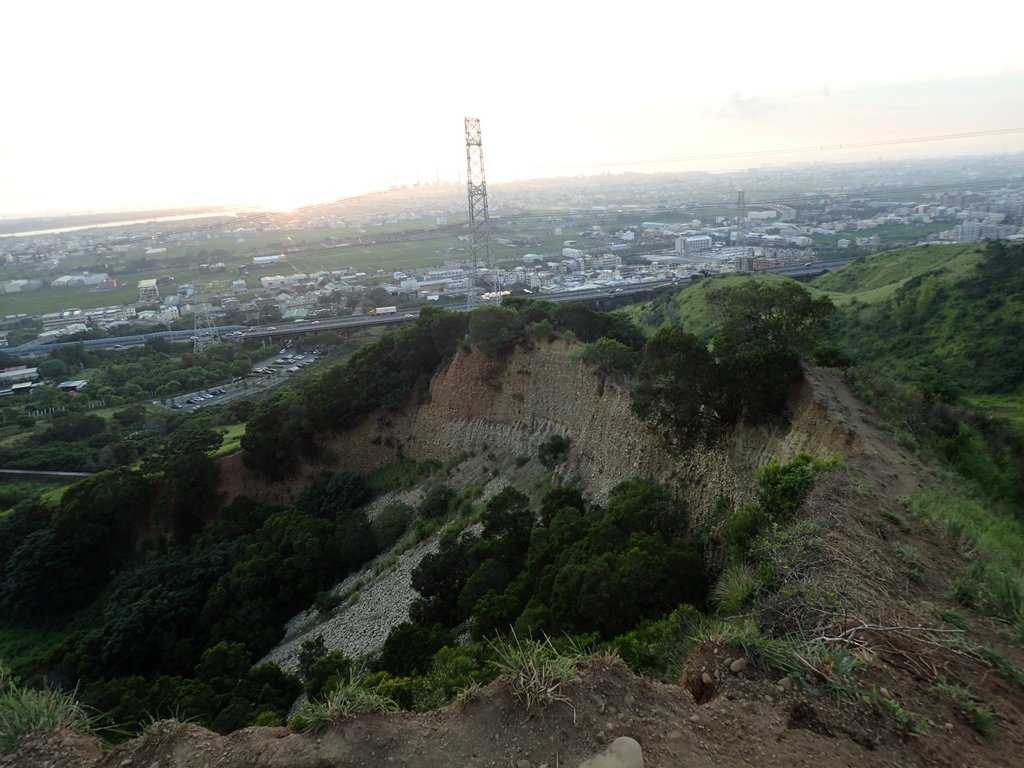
[282,332]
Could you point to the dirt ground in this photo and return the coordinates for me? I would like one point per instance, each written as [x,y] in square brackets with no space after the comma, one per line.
[716,716]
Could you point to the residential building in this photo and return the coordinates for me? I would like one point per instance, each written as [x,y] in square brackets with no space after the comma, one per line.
[148,291]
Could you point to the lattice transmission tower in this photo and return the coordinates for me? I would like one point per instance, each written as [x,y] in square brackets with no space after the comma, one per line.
[205,335]
[479,221]
[741,214]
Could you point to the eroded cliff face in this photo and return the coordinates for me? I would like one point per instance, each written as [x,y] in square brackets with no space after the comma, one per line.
[508,406]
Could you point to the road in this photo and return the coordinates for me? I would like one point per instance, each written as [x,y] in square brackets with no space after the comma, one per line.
[280,334]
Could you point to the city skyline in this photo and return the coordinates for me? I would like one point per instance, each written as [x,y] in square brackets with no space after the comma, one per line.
[120,107]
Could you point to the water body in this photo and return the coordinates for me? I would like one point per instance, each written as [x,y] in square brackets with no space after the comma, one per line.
[120,223]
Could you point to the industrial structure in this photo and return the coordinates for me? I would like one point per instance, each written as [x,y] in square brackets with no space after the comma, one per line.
[206,334]
[479,220]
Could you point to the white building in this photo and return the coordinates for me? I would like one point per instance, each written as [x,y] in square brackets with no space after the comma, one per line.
[148,291]
[265,261]
[693,245]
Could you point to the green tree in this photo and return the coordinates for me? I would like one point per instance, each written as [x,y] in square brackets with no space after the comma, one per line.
[679,387]
[493,328]
[766,328]
[608,355]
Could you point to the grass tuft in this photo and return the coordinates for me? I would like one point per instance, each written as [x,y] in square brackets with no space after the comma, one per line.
[539,671]
[25,711]
[349,698]
[980,715]
[735,589]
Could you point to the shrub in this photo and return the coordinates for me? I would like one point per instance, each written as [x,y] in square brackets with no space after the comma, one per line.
[553,451]
[438,502]
[389,525]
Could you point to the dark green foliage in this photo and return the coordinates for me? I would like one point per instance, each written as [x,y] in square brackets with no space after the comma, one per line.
[329,494]
[553,451]
[188,496]
[582,322]
[35,578]
[101,517]
[679,387]
[224,694]
[782,317]
[71,426]
[609,355]
[494,328]
[410,648]
[151,614]
[28,515]
[390,524]
[439,578]
[311,651]
[578,571]
[292,557]
[765,328]
[659,648]
[438,502]
[559,498]
[783,487]
[324,674]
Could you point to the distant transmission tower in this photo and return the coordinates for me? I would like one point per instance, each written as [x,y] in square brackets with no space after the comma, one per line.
[741,214]
[205,335]
[479,221]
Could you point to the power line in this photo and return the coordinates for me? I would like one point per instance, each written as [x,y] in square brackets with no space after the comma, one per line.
[799,150]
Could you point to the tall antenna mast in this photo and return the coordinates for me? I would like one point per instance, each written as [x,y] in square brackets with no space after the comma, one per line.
[479,222]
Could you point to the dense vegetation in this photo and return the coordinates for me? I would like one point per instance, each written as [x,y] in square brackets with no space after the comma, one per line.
[692,390]
[934,346]
[110,423]
[154,599]
[384,375]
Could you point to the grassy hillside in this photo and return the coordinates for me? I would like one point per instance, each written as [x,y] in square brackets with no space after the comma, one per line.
[935,332]
[953,312]
[887,271]
[689,306]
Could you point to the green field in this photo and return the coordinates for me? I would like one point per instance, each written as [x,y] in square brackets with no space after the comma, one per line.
[308,251]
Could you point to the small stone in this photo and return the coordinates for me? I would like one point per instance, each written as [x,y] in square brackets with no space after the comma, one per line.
[785,684]
[949,726]
[524,764]
[884,693]
[738,666]
[694,718]
[707,679]
[624,752]
[600,735]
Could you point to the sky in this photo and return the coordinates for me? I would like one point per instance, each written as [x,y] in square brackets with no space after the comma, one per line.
[111,105]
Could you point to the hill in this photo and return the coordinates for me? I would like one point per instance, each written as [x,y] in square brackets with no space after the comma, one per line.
[793,589]
[935,334]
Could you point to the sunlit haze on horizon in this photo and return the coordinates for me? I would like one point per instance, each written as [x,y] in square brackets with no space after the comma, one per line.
[128,105]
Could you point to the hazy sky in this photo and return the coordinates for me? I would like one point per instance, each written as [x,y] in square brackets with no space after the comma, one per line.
[112,104]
